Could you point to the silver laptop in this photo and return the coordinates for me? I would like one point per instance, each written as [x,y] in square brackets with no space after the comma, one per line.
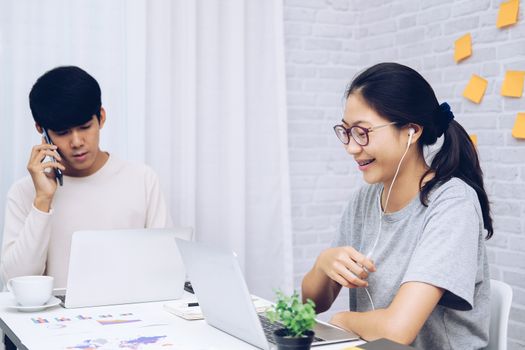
[125,266]
[226,303]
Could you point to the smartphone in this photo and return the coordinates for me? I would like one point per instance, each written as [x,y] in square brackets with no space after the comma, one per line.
[58,172]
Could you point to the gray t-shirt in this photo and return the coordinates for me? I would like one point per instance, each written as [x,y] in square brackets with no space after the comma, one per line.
[442,245]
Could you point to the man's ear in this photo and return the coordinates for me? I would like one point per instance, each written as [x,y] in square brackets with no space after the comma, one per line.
[39,128]
[102,119]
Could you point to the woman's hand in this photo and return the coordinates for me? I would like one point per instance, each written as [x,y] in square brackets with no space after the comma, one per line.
[346,266]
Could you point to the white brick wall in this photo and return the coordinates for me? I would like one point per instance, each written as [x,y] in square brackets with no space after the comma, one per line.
[329,41]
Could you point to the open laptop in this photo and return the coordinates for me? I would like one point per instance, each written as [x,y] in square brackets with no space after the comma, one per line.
[226,303]
[109,267]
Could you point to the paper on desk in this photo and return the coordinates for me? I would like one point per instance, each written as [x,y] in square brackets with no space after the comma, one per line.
[181,308]
[45,325]
[146,338]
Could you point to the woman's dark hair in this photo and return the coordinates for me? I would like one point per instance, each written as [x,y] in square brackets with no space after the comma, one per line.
[402,95]
[65,97]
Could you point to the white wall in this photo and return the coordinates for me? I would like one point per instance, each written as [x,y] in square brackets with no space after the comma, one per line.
[329,41]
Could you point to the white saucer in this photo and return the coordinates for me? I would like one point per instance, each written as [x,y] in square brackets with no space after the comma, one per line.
[53,301]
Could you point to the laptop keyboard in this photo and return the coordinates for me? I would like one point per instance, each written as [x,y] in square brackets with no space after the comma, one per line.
[270,327]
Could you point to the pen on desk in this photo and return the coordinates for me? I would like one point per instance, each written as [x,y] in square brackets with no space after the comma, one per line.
[193,304]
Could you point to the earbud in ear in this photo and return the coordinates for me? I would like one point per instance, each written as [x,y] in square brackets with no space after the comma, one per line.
[411,133]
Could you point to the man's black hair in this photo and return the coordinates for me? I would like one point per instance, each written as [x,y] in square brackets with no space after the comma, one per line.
[65,97]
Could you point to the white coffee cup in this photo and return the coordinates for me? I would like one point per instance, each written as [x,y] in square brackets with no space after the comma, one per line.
[31,290]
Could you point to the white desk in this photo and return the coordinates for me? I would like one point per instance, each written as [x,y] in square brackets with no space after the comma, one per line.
[142,326]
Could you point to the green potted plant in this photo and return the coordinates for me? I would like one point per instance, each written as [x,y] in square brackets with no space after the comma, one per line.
[297,318]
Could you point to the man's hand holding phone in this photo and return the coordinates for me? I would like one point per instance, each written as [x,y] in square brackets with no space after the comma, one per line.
[45,181]
[58,172]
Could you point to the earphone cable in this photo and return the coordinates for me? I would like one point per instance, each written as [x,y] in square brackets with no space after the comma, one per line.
[382,212]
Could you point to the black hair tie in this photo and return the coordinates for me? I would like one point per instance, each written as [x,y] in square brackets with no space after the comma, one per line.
[444,117]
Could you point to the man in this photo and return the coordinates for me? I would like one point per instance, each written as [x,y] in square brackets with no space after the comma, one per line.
[99,191]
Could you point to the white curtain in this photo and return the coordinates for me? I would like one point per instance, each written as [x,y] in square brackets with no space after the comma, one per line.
[194,88]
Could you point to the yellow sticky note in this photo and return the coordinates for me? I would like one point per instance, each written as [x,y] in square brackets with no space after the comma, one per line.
[518,131]
[475,88]
[463,48]
[513,83]
[474,139]
[508,13]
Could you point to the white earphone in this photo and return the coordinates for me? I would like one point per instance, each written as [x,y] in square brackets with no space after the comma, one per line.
[411,133]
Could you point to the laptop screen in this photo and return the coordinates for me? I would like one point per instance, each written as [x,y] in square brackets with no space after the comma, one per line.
[124,266]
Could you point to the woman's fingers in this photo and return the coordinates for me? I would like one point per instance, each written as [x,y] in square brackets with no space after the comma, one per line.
[349,275]
[346,266]
[360,259]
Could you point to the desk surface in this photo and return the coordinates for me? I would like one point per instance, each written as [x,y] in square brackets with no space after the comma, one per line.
[132,326]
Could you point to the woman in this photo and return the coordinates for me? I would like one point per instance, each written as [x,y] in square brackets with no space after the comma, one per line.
[411,243]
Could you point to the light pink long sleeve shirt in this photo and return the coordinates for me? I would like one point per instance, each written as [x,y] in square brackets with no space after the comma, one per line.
[120,195]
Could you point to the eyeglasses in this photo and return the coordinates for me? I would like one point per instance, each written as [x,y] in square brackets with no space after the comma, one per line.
[358,133]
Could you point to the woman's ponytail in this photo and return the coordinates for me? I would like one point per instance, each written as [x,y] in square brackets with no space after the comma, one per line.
[457,158]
